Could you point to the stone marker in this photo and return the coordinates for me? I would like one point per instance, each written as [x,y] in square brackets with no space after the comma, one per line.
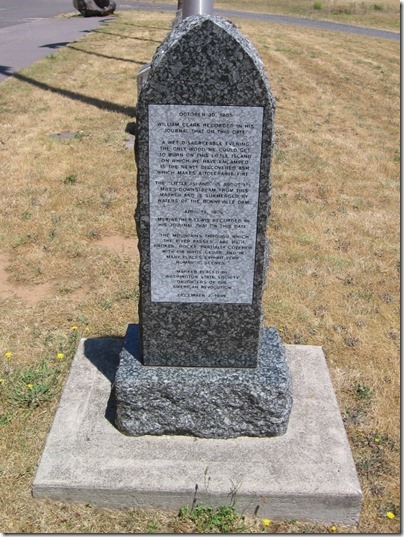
[203,151]
[308,473]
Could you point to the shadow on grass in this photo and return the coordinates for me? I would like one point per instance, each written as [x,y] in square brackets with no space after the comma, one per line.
[93,101]
[104,55]
[166,28]
[127,36]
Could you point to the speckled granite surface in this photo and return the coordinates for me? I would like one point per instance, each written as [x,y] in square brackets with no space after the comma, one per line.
[203,402]
[204,61]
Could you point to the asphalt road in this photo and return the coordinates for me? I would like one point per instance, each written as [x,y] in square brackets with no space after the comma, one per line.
[29,31]
[24,11]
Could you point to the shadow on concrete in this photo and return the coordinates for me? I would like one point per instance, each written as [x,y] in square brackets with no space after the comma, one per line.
[5,70]
[55,45]
[110,411]
[99,103]
[103,353]
[105,56]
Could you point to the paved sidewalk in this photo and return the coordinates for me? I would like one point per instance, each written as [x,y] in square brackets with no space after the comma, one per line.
[23,44]
[14,12]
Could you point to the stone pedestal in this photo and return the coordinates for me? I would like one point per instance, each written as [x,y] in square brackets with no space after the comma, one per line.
[203,402]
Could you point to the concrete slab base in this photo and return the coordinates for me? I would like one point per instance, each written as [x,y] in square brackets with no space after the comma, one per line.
[307,474]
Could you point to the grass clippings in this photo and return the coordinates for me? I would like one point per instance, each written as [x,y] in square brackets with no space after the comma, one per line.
[66,215]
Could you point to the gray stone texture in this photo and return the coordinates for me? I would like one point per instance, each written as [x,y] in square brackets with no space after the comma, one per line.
[95,8]
[203,402]
[204,61]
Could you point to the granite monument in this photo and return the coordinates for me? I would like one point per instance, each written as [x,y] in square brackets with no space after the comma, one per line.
[200,362]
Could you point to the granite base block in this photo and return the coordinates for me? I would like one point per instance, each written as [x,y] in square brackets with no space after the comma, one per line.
[204,402]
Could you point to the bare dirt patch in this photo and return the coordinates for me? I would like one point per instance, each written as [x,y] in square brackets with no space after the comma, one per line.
[120,245]
[32,294]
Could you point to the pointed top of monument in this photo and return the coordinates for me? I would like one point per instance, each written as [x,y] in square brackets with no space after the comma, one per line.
[208,60]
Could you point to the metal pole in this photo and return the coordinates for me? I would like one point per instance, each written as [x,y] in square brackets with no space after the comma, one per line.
[196,7]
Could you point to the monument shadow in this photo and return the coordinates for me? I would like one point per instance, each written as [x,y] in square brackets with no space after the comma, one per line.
[103,353]
[99,103]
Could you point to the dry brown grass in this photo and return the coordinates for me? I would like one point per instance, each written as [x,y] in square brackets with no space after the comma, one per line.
[382,14]
[335,234]
[334,278]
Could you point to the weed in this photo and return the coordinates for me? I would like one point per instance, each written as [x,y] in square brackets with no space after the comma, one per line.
[317,5]
[363,392]
[94,234]
[299,339]
[26,388]
[33,386]
[26,215]
[106,304]
[207,519]
[5,418]
[351,341]
[65,289]
[22,240]
[152,526]
[108,197]
[300,196]
[304,238]
[323,192]
[280,155]
[70,179]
